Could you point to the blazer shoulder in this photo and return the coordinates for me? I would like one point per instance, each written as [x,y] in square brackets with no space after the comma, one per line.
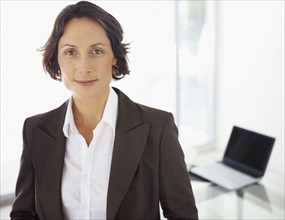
[133,110]
[151,112]
[41,119]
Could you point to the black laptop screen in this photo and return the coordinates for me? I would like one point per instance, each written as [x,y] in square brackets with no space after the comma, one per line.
[248,151]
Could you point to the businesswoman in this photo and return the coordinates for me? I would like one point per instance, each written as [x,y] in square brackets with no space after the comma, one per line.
[99,155]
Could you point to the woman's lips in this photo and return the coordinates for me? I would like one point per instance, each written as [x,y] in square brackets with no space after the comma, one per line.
[85,82]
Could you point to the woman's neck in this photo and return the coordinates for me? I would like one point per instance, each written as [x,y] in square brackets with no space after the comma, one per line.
[88,113]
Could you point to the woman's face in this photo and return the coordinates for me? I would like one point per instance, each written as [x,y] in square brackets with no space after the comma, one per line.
[85,58]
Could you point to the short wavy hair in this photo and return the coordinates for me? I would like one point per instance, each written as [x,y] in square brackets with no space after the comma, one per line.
[112,27]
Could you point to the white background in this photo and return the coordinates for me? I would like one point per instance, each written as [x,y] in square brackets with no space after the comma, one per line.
[250,72]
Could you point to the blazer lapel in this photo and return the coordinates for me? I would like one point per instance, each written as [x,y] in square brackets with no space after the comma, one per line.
[49,153]
[129,144]
[131,136]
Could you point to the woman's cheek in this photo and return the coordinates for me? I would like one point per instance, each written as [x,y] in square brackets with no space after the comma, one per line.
[65,81]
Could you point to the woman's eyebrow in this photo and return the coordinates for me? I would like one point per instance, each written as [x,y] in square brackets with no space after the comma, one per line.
[67,45]
[98,44]
[92,45]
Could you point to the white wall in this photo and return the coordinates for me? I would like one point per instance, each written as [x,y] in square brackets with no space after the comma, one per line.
[250,71]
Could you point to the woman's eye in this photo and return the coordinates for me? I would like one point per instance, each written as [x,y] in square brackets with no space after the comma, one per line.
[70,53]
[97,52]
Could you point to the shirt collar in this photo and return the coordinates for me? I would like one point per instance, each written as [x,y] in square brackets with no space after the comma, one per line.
[111,109]
[109,115]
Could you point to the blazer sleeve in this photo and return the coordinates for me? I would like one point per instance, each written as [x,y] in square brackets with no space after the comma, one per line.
[176,195]
[24,204]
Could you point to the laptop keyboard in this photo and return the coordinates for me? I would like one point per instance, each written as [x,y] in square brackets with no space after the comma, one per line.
[223,175]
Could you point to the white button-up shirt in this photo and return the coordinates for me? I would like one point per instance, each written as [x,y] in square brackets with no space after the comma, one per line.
[86,169]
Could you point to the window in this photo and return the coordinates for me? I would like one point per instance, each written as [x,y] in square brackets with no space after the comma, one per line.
[171,62]
[195,71]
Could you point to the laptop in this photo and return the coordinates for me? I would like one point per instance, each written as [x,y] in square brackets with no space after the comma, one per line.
[244,161]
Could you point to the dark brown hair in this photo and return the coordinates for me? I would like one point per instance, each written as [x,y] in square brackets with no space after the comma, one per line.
[109,23]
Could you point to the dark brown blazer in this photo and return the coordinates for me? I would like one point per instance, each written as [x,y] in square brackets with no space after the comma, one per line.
[147,167]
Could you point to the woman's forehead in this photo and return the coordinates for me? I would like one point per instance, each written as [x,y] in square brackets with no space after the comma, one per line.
[84,31]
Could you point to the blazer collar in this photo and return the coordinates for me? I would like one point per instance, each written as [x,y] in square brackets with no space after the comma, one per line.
[130,139]
[128,116]
[49,158]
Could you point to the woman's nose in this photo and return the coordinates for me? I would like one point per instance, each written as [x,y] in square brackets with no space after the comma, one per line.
[84,65]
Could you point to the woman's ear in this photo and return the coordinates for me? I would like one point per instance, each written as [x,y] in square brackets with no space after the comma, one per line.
[115,61]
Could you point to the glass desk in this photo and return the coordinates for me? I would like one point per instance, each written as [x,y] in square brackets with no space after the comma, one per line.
[264,200]
[260,201]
